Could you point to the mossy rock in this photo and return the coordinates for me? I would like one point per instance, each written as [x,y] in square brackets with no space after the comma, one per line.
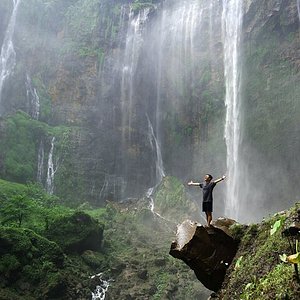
[77,233]
[27,263]
[172,202]
[93,259]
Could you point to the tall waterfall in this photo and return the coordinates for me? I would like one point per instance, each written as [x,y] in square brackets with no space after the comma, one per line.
[50,170]
[32,99]
[8,54]
[133,46]
[232,24]
[298,7]
[176,47]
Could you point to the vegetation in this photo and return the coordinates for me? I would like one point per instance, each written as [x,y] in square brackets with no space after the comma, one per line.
[257,271]
[74,246]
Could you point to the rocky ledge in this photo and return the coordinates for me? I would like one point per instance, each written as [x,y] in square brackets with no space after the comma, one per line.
[207,250]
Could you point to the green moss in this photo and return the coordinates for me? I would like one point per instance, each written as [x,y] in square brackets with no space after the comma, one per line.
[9,263]
[256,272]
[76,232]
[274,285]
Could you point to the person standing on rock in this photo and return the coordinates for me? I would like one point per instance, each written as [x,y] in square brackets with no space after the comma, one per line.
[207,188]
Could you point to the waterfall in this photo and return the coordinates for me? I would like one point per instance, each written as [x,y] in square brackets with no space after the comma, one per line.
[179,26]
[50,170]
[101,289]
[40,167]
[232,24]
[298,7]
[33,99]
[133,46]
[160,173]
[8,54]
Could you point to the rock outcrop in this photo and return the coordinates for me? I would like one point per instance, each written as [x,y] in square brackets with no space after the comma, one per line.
[207,250]
[76,233]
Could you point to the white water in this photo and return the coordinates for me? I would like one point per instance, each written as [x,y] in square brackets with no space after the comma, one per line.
[160,173]
[232,24]
[134,41]
[50,170]
[8,54]
[40,171]
[180,29]
[298,7]
[33,99]
[101,289]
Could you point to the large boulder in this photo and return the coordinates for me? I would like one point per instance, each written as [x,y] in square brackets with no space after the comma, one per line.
[77,233]
[206,250]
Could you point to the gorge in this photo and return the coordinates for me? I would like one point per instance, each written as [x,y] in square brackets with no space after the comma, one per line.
[116,104]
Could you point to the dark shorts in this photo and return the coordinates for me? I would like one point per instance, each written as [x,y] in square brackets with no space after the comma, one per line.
[207,206]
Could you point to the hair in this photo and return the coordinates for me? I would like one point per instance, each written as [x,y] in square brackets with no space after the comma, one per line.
[210,177]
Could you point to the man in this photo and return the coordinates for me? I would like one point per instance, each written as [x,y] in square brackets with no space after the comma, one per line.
[207,189]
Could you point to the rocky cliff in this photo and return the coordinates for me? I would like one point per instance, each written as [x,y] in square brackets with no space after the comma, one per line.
[259,269]
[100,67]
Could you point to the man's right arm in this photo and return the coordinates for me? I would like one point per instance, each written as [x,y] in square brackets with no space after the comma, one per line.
[194,183]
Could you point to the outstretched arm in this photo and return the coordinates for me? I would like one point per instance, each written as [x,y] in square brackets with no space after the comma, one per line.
[220,179]
[194,183]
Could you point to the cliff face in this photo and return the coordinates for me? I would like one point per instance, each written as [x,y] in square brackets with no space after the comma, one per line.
[258,269]
[104,68]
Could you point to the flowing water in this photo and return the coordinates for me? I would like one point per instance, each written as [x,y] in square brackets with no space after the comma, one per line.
[50,170]
[8,54]
[32,99]
[160,173]
[101,288]
[232,24]
[40,168]
[298,7]
[134,42]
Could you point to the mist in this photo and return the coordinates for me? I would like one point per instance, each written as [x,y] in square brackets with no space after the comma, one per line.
[117,67]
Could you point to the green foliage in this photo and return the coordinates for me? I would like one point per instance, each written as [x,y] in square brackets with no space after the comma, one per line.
[28,205]
[161,282]
[172,202]
[277,226]
[274,285]
[238,263]
[138,5]
[256,272]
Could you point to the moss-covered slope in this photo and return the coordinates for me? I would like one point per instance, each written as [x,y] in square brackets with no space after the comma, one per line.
[257,271]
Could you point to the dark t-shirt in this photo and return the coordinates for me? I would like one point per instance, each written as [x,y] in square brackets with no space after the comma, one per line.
[207,189]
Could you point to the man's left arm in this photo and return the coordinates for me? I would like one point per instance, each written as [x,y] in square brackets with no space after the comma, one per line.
[220,179]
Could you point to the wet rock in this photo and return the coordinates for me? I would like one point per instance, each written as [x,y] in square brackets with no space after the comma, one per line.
[206,250]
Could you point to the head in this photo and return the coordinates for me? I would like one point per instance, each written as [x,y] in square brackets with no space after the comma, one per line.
[208,178]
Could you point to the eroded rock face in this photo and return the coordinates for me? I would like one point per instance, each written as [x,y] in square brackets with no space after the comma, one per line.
[206,250]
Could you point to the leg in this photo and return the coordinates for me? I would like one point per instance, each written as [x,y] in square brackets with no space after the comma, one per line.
[209,217]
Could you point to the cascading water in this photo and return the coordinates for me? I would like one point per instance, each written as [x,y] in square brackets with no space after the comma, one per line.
[40,167]
[176,47]
[133,46]
[232,24]
[160,173]
[8,54]
[101,288]
[50,170]
[33,99]
[298,7]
